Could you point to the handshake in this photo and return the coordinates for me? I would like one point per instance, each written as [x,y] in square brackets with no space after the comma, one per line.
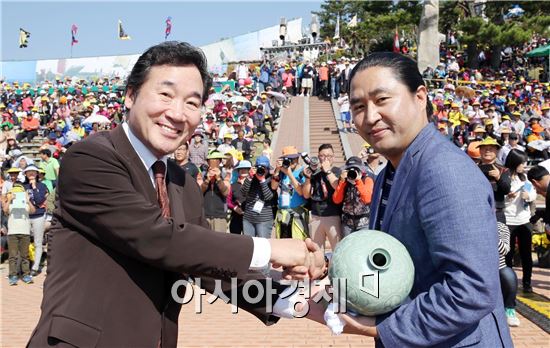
[300,259]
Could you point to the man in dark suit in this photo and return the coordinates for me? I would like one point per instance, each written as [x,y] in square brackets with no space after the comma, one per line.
[129,223]
[243,145]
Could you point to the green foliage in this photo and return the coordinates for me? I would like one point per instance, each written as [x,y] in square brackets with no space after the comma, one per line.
[377,21]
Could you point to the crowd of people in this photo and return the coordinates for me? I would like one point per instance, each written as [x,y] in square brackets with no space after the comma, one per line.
[502,124]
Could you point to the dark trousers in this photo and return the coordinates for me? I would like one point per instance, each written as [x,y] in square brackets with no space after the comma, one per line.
[29,135]
[509,286]
[18,244]
[261,129]
[521,233]
[236,224]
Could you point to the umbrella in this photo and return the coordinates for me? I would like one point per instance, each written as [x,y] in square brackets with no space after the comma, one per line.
[217,96]
[95,118]
[238,99]
[539,145]
[277,95]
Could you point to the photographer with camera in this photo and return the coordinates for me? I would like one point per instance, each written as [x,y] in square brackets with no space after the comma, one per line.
[292,218]
[374,161]
[214,190]
[259,200]
[319,186]
[354,191]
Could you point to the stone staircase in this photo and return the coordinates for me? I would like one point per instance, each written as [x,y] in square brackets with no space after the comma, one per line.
[31,149]
[324,130]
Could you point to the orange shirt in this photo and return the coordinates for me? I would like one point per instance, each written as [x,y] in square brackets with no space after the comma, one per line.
[323,73]
[31,124]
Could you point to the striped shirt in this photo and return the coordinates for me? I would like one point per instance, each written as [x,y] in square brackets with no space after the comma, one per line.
[253,191]
[503,244]
[386,188]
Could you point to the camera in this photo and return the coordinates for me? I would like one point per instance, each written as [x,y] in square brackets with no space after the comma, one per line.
[313,162]
[353,174]
[260,170]
[286,162]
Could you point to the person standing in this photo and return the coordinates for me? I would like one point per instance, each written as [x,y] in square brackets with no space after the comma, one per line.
[518,213]
[508,277]
[260,200]
[142,226]
[37,193]
[18,207]
[214,189]
[319,186]
[498,176]
[235,199]
[455,298]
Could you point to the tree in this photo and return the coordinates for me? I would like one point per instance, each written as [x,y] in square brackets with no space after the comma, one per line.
[377,21]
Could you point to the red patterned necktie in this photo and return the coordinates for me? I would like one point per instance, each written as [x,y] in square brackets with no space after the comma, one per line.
[159,168]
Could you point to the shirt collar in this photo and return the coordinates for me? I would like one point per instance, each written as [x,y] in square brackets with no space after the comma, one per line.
[146,156]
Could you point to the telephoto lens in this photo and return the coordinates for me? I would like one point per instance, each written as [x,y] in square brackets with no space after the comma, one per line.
[352,174]
[314,163]
[260,171]
[286,162]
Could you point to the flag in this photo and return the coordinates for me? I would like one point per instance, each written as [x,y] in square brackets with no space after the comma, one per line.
[23,38]
[74,29]
[337,29]
[396,42]
[353,22]
[121,33]
[222,55]
[168,27]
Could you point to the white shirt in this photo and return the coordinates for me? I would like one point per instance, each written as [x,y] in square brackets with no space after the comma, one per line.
[517,210]
[262,248]
[344,103]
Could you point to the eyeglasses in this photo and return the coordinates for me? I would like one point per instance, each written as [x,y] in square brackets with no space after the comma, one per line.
[326,156]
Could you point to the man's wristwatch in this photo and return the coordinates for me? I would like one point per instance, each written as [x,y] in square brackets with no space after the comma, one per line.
[328,172]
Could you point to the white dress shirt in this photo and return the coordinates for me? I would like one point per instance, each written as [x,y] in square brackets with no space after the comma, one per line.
[262,248]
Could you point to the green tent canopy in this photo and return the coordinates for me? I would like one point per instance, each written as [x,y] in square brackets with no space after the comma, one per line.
[543,51]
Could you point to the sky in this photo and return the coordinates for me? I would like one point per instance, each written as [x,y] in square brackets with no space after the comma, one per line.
[197,22]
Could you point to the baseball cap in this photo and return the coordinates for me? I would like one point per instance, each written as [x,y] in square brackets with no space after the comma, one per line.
[354,162]
[263,161]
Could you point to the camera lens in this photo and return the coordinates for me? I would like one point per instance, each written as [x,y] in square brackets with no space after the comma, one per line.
[286,162]
[352,174]
[260,171]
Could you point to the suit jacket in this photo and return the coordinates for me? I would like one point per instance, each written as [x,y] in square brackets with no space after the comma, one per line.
[441,208]
[113,258]
[247,148]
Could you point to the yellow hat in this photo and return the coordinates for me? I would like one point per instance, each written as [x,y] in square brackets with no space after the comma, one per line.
[545,107]
[13,170]
[489,142]
[454,105]
[464,118]
[488,122]
[505,130]
[516,113]
[479,129]
[506,117]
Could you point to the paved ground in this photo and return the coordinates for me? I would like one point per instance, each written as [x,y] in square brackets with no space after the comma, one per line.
[216,326]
